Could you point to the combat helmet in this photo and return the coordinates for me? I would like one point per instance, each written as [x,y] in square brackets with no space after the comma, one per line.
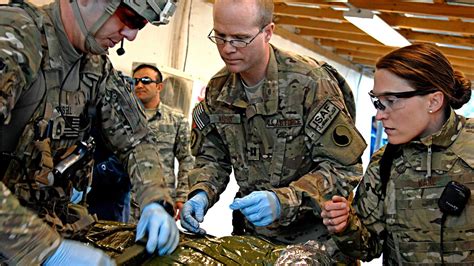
[157,12]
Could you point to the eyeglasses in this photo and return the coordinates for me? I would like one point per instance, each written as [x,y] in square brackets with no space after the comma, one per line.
[393,100]
[130,18]
[144,80]
[237,43]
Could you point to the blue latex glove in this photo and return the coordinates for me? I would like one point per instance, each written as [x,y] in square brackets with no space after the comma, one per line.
[76,196]
[163,234]
[193,213]
[78,254]
[260,207]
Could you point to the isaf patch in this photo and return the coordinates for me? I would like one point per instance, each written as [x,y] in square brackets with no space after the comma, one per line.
[323,118]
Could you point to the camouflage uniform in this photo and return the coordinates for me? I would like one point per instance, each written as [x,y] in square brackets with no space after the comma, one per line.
[42,116]
[297,140]
[405,224]
[171,129]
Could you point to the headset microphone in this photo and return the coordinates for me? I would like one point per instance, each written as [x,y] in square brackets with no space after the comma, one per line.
[121,51]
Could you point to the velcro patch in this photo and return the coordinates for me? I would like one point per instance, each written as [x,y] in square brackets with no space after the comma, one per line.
[323,118]
[225,118]
[200,117]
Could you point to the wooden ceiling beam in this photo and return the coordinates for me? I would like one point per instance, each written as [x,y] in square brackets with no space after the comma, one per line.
[462,54]
[452,26]
[461,62]
[317,24]
[437,38]
[395,20]
[363,61]
[375,49]
[453,52]
[325,34]
[307,12]
[438,9]
[315,48]
[464,70]
[358,54]
[468,72]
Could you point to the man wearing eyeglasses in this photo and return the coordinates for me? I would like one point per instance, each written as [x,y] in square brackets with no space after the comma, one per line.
[282,122]
[56,84]
[171,129]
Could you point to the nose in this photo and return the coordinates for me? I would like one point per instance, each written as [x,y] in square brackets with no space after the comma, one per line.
[228,48]
[138,84]
[381,115]
[129,34]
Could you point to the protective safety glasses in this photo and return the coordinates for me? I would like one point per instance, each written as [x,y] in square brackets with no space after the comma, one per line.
[394,100]
[145,80]
[130,18]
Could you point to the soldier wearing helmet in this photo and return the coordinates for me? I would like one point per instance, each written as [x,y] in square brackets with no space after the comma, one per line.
[56,84]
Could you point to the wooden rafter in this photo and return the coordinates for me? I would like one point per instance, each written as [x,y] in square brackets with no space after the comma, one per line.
[314,47]
[317,24]
[395,20]
[437,9]
[451,26]
[437,38]
[328,34]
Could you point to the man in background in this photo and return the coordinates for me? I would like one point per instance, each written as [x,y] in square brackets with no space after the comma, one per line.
[170,127]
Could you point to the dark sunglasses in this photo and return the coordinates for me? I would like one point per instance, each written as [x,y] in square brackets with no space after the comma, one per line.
[130,18]
[145,80]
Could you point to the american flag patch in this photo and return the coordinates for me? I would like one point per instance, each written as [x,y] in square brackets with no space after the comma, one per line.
[200,117]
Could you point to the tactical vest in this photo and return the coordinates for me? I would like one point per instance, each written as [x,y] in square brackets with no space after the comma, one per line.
[413,216]
[52,133]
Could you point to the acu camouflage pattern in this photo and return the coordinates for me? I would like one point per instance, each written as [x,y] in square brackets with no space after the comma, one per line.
[405,225]
[34,55]
[172,131]
[276,143]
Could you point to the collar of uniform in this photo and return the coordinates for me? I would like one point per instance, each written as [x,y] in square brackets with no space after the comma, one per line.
[233,92]
[447,134]
[158,112]
[67,52]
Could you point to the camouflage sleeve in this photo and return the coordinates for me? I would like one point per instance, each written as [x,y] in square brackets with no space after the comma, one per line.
[124,126]
[24,238]
[212,166]
[185,159]
[363,237]
[335,147]
[20,57]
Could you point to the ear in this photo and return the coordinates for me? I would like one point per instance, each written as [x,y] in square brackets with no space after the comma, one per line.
[436,101]
[159,86]
[269,31]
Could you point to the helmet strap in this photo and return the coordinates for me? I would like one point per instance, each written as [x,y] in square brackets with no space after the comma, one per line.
[90,43]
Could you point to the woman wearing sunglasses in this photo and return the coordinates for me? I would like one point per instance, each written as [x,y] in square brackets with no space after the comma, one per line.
[396,209]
